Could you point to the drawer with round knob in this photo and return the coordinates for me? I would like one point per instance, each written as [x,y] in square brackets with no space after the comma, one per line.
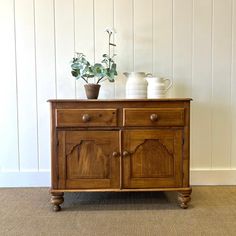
[86,117]
[153,117]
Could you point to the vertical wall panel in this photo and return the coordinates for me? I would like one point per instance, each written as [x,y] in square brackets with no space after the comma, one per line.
[45,67]
[143,36]
[182,51]
[233,89]
[84,39]
[162,39]
[201,84]
[124,40]
[221,83]
[64,27]
[24,15]
[8,98]
[182,47]
[193,40]
[103,19]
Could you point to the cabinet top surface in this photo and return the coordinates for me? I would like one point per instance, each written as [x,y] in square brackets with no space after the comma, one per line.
[121,100]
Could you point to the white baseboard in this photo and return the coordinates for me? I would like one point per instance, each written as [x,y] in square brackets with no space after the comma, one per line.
[25,179]
[213,176]
[35,178]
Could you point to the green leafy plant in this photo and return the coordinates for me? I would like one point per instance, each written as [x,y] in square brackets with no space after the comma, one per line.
[106,69]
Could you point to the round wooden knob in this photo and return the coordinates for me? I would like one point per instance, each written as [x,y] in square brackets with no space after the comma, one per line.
[86,118]
[115,154]
[125,153]
[153,117]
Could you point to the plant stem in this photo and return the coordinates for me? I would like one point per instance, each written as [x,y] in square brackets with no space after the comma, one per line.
[84,79]
[103,80]
[99,80]
[109,51]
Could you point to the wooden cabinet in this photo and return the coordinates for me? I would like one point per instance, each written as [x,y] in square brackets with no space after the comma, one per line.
[86,159]
[153,158]
[120,145]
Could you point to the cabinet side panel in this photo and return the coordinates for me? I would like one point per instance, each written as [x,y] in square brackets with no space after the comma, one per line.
[186,146]
[53,149]
[61,160]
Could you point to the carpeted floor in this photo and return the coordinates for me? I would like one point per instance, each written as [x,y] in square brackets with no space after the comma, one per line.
[28,212]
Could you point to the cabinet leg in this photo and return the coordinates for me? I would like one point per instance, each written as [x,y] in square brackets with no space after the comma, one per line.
[56,200]
[184,198]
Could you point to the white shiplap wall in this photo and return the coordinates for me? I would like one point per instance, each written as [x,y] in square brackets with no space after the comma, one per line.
[193,41]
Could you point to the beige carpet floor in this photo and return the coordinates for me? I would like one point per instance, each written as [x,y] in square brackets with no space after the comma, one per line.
[26,211]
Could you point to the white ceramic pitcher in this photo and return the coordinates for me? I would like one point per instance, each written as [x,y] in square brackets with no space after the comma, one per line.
[136,85]
[157,86]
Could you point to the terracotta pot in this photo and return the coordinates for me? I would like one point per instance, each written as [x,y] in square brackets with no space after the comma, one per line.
[92,90]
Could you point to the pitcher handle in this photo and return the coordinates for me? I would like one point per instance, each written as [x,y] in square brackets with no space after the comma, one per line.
[148,75]
[170,81]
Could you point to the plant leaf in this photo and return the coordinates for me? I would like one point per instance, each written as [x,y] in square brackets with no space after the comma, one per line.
[74,73]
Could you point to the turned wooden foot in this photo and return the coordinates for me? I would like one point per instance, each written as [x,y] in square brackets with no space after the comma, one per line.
[184,198]
[57,199]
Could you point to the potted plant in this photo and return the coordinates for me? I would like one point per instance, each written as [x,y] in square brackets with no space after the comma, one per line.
[106,69]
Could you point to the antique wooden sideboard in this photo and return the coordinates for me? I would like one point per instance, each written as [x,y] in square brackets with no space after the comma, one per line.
[120,145]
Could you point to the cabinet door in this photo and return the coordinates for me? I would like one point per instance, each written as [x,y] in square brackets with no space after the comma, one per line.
[88,159]
[152,158]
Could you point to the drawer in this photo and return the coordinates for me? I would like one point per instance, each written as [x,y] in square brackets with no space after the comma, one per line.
[153,117]
[86,117]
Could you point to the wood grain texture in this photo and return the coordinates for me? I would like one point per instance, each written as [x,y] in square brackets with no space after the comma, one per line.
[149,154]
[86,117]
[186,146]
[88,157]
[87,161]
[54,147]
[160,100]
[184,198]
[56,200]
[60,160]
[162,117]
[154,159]
[120,190]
